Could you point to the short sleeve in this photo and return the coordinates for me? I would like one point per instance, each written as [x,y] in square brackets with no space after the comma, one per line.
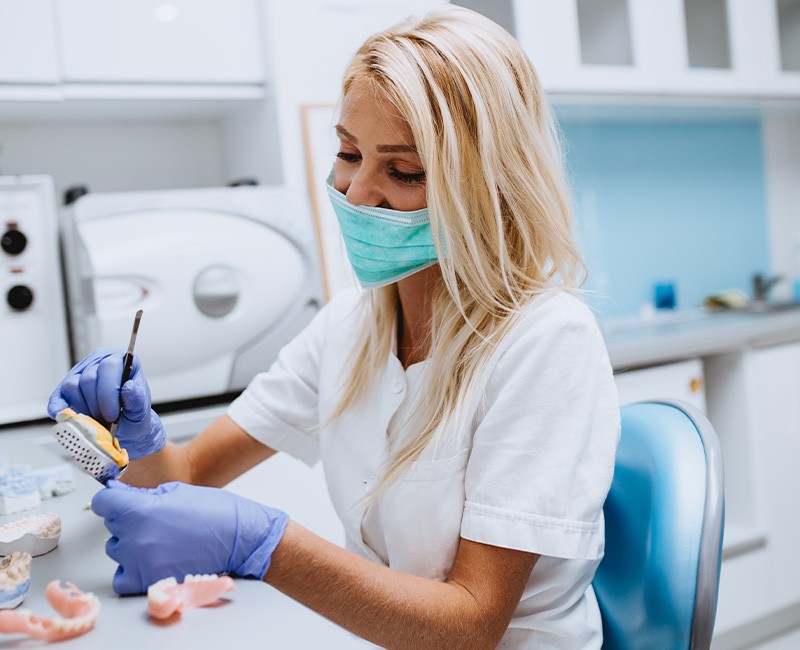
[280,407]
[543,454]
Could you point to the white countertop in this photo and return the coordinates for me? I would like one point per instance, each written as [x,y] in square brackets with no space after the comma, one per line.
[672,336]
[255,614]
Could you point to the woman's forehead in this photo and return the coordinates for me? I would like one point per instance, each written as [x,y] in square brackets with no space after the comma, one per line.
[367,108]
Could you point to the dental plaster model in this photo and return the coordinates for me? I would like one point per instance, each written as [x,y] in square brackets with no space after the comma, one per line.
[78,612]
[15,579]
[91,445]
[37,534]
[18,489]
[166,596]
[54,481]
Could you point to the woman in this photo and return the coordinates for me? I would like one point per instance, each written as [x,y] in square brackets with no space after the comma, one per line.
[463,407]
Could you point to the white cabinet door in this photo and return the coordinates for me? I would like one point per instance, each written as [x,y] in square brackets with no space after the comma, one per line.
[653,48]
[682,381]
[753,401]
[27,42]
[151,41]
[775,384]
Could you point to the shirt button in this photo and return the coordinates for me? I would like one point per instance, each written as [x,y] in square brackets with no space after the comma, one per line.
[396,386]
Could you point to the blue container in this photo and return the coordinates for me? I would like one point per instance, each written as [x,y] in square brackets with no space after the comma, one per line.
[665,296]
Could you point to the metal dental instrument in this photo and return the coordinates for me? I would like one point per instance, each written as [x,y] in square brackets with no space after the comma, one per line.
[95,448]
[126,369]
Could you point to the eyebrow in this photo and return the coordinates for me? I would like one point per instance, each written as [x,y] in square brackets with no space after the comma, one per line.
[396,148]
[380,148]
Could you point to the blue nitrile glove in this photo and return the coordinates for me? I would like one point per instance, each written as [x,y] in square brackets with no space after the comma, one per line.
[176,529]
[92,387]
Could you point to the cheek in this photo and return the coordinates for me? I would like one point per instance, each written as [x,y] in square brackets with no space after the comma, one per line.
[342,176]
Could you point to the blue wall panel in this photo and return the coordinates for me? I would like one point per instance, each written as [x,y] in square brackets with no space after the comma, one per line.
[667,201]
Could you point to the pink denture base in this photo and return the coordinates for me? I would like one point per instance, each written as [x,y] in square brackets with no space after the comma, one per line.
[78,611]
[166,597]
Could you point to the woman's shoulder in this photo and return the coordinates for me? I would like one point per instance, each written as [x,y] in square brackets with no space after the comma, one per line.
[555,310]
[342,306]
[344,301]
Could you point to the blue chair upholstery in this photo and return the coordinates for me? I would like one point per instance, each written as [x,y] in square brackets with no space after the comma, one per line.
[657,584]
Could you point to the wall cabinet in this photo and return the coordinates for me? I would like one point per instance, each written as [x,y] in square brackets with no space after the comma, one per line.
[141,94]
[28,42]
[150,41]
[67,43]
[685,49]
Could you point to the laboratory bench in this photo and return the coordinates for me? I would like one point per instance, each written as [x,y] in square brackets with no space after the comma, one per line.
[682,334]
[253,615]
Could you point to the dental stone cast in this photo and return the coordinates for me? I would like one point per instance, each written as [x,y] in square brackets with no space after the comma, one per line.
[37,534]
[54,481]
[78,611]
[166,597]
[91,445]
[18,489]
[15,580]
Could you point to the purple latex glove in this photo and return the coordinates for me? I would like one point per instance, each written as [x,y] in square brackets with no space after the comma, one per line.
[92,387]
[176,529]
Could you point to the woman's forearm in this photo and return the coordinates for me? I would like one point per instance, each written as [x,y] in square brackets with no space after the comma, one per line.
[387,607]
[169,464]
[214,458]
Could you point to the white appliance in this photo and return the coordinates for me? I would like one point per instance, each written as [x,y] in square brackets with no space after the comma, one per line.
[34,347]
[225,276]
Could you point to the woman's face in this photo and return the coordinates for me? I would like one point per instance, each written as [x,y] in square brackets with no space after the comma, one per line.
[377,163]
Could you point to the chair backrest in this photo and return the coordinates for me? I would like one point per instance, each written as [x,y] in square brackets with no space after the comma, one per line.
[664,516]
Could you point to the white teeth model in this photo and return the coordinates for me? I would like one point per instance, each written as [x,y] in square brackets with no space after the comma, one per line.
[166,597]
[37,534]
[15,579]
[79,611]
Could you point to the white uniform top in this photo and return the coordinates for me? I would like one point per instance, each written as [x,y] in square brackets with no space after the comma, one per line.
[530,471]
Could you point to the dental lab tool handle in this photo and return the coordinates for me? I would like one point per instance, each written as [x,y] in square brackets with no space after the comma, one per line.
[127,366]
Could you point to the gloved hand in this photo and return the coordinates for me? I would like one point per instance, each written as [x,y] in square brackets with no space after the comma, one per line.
[176,529]
[92,387]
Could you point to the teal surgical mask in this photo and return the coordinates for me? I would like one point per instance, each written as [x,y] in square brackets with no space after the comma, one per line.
[383,245]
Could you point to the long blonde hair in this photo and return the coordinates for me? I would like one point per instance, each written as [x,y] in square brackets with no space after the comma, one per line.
[496,193]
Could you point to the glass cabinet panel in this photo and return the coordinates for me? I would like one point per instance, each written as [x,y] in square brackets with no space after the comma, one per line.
[605,32]
[789,34]
[707,33]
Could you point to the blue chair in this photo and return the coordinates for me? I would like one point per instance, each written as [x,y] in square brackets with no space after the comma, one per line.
[657,584]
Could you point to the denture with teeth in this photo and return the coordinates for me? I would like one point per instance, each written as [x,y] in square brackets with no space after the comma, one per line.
[15,579]
[37,534]
[78,612]
[167,596]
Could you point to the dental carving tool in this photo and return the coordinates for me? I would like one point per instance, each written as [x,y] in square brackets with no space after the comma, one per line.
[95,448]
[126,368]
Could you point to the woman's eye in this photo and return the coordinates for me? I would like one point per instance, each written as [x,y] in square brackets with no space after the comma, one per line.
[348,157]
[418,177]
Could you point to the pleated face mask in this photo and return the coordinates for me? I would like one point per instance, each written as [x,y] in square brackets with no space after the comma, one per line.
[383,245]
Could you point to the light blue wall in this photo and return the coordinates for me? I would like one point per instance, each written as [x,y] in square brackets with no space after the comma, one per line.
[680,201]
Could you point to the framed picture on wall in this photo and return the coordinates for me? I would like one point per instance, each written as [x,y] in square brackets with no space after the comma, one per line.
[321,144]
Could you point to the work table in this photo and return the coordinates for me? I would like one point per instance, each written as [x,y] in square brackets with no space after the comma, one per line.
[254,614]
[671,336]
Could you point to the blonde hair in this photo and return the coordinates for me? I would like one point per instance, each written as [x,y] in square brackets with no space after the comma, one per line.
[497,197]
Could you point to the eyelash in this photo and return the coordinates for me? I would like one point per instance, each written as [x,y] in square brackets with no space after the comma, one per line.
[410,179]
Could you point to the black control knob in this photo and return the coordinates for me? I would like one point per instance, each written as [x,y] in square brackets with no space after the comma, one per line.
[13,242]
[72,194]
[19,297]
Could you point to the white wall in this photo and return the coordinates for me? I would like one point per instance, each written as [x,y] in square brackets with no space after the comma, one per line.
[116,155]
